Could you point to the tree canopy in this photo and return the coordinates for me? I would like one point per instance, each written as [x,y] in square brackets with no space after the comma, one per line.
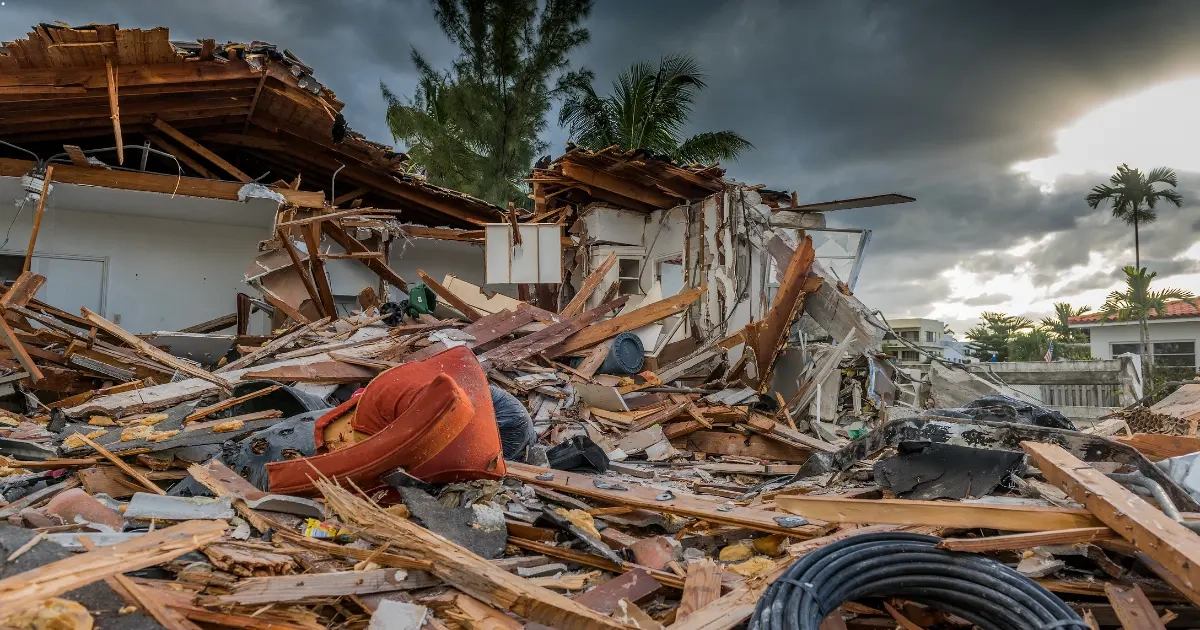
[475,127]
[1133,197]
[648,109]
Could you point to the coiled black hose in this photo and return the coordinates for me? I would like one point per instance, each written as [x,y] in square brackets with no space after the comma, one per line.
[895,564]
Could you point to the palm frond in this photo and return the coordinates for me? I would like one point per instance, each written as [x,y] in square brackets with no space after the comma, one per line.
[711,147]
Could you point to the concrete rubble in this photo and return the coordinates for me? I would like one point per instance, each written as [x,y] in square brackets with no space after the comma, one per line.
[615,446]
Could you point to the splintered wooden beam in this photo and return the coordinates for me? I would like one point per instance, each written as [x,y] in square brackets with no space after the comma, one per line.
[119,463]
[302,270]
[453,300]
[701,588]
[1016,518]
[262,80]
[18,349]
[681,503]
[114,109]
[182,156]
[772,330]
[22,290]
[76,155]
[464,570]
[618,185]
[1028,541]
[145,349]
[275,345]
[629,321]
[312,242]
[1150,530]
[589,286]
[37,218]
[1132,607]
[350,196]
[229,402]
[353,246]
[204,152]
[24,589]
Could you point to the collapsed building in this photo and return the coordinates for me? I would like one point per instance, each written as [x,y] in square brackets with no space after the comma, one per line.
[654,391]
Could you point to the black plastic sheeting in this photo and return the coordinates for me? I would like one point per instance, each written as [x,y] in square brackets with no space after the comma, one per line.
[997,408]
[516,427]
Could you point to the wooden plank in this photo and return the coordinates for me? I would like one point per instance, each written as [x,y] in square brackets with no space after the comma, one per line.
[722,443]
[668,413]
[319,372]
[312,242]
[1074,536]
[620,186]
[143,598]
[1132,608]
[204,152]
[291,588]
[301,270]
[701,588]
[773,329]
[272,346]
[114,108]
[1174,546]
[22,290]
[684,504]
[24,589]
[262,80]
[350,196]
[1015,518]
[467,310]
[18,349]
[1159,446]
[352,245]
[317,218]
[126,468]
[767,427]
[76,154]
[629,321]
[227,403]
[509,354]
[149,351]
[37,217]
[155,182]
[464,570]
[589,286]
[182,156]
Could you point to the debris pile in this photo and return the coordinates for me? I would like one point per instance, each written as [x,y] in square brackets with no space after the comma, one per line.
[682,418]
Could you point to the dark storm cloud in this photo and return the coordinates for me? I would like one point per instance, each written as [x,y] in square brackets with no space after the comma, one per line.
[842,98]
[987,299]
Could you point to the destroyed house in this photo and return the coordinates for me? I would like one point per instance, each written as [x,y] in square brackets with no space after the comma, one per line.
[168,164]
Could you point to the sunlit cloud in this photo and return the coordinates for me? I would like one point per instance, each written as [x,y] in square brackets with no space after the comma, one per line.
[1157,127]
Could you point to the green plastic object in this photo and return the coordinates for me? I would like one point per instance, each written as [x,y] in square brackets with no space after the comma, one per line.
[421,301]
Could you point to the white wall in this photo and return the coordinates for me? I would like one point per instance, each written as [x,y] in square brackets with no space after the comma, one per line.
[1104,336]
[162,274]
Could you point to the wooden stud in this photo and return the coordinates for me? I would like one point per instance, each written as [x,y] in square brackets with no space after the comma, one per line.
[204,152]
[145,349]
[114,109]
[182,156]
[1017,518]
[262,80]
[467,310]
[589,286]
[227,403]
[629,321]
[1147,527]
[1074,536]
[312,242]
[18,349]
[350,196]
[22,290]
[302,270]
[37,218]
[352,245]
[126,468]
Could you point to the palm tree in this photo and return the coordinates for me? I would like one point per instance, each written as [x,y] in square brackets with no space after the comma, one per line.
[648,109]
[1133,197]
[1059,326]
[1138,302]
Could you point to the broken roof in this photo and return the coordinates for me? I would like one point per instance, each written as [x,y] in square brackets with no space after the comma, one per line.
[257,108]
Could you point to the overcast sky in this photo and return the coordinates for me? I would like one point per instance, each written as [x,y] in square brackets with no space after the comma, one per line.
[844,98]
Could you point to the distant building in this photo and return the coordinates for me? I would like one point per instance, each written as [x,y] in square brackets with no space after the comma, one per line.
[1175,334]
[927,334]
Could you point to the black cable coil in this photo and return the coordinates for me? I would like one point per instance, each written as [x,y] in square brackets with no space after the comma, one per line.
[891,564]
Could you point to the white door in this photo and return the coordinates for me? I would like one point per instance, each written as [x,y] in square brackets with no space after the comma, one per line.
[71,283]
